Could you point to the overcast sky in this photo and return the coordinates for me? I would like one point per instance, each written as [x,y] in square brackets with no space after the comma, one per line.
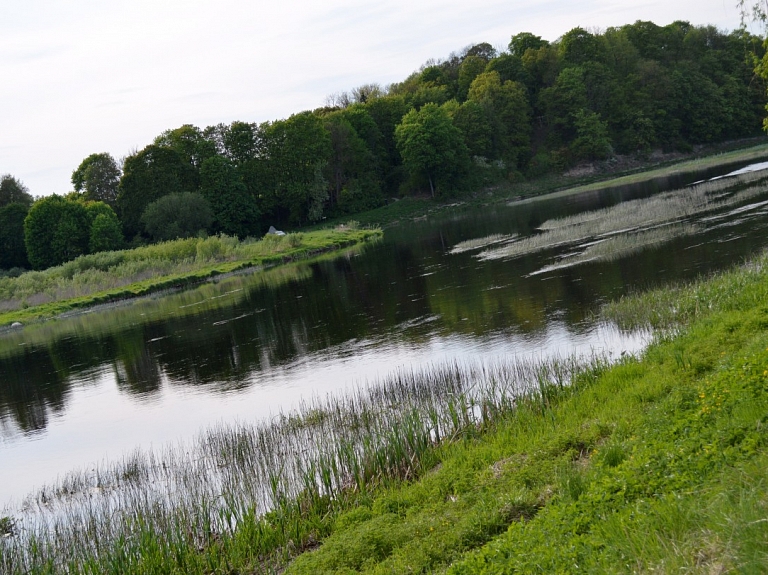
[85,76]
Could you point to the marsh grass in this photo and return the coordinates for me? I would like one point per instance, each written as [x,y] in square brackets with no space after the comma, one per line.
[103,276]
[270,485]
[669,308]
[478,243]
[617,231]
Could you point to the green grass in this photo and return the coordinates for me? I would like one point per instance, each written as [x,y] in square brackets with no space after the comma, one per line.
[109,276]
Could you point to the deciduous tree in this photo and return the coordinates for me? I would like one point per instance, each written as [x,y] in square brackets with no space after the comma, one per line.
[432,147]
[178,215]
[55,231]
[98,177]
[13,191]
[13,253]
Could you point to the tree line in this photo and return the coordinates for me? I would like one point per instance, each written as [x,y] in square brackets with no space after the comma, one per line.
[475,117]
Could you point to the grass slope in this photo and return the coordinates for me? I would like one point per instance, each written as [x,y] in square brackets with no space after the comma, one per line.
[657,464]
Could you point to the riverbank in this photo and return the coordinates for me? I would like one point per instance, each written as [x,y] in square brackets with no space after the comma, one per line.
[656,464]
[112,276]
[484,469]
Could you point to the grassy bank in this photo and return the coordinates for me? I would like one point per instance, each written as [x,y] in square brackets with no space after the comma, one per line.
[654,464]
[108,276]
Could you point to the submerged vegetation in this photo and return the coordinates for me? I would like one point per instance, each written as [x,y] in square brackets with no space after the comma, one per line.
[108,276]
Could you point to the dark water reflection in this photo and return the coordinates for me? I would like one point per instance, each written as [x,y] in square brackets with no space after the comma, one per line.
[75,391]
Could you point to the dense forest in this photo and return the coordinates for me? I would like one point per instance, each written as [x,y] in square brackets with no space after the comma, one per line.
[476,117]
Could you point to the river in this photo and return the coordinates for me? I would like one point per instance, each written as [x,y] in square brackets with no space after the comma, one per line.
[77,391]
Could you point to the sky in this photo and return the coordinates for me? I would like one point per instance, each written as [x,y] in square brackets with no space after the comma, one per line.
[84,76]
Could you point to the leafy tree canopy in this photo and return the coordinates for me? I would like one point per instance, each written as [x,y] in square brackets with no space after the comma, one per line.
[98,177]
[13,191]
[13,253]
[55,231]
[177,215]
[431,146]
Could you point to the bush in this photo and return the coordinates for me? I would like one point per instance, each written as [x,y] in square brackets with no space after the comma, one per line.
[106,233]
[173,216]
[215,248]
[55,231]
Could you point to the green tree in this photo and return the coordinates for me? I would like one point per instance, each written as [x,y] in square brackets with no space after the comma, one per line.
[352,166]
[55,231]
[476,127]
[149,175]
[521,43]
[470,68]
[105,231]
[561,101]
[509,68]
[98,177]
[234,210]
[387,112]
[506,107]
[13,253]
[295,149]
[578,46]
[13,191]
[432,147]
[592,141]
[189,142]
[106,234]
[178,215]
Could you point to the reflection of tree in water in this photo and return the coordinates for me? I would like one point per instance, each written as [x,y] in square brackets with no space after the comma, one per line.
[136,366]
[30,388]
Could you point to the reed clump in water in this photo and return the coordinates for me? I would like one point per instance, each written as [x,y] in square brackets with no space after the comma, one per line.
[250,496]
[619,226]
[478,243]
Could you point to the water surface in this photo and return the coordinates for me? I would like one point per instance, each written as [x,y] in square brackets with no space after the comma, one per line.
[99,385]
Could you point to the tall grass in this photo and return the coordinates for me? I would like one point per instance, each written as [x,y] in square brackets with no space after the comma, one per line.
[253,494]
[666,309]
[105,271]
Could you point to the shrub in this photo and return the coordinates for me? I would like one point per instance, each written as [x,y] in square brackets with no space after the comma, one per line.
[174,216]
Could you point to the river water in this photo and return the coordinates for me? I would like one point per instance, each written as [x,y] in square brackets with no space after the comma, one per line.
[81,390]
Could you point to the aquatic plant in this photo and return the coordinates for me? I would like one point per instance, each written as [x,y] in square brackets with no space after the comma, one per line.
[616,231]
[271,483]
[478,243]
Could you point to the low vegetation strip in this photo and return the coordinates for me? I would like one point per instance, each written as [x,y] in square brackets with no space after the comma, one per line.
[108,276]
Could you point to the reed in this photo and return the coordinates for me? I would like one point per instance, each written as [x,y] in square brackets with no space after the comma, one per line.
[478,243]
[638,221]
[253,495]
[743,287]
